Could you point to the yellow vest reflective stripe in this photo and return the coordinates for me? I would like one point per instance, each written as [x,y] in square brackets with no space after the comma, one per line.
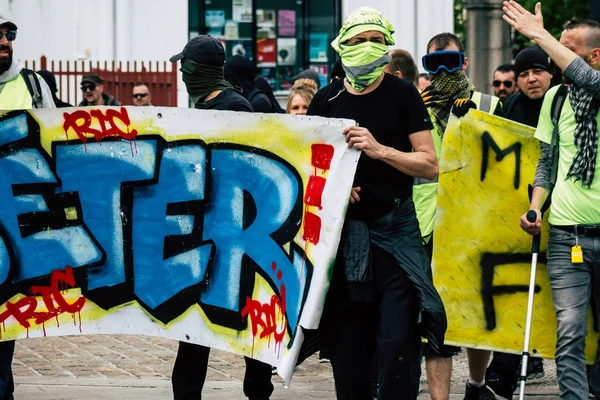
[15,95]
[485,102]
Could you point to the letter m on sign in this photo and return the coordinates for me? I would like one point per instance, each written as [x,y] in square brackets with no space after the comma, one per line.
[487,142]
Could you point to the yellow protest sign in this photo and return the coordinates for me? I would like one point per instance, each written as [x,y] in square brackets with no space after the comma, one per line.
[482,258]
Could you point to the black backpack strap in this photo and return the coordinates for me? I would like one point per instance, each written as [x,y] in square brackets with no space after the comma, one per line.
[33,85]
[555,111]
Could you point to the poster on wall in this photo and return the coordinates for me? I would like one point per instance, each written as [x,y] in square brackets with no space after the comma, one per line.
[242,48]
[266,55]
[286,51]
[287,22]
[265,24]
[318,45]
[242,10]
[215,21]
[232,30]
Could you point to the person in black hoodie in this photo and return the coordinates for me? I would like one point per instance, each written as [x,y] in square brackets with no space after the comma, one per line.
[202,61]
[533,72]
[239,72]
[51,81]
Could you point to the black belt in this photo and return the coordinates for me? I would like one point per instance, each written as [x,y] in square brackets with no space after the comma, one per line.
[583,230]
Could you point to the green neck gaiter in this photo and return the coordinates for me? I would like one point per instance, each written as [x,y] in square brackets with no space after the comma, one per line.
[449,88]
[364,63]
[201,79]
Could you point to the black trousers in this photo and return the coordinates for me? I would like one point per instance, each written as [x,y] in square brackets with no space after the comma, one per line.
[189,374]
[388,323]
[7,386]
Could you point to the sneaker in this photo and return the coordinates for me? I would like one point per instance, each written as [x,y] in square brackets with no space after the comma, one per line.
[500,385]
[479,393]
[324,360]
[273,370]
[535,368]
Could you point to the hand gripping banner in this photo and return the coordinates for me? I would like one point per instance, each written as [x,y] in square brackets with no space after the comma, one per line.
[217,228]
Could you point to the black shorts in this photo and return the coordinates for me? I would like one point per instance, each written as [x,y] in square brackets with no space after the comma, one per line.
[426,350]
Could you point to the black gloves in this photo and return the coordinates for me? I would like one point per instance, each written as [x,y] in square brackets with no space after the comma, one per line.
[462,107]
[429,95]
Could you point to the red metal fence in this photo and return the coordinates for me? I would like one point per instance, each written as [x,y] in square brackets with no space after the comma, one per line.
[119,78]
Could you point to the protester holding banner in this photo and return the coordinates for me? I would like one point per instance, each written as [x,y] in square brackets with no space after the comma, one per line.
[202,61]
[574,216]
[450,91]
[381,277]
[574,66]
[533,70]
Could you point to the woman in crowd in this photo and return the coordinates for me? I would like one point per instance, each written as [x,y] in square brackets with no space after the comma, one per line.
[300,97]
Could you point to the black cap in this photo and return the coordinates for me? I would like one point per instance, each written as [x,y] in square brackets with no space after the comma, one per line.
[530,58]
[92,78]
[309,74]
[203,49]
[7,22]
[49,78]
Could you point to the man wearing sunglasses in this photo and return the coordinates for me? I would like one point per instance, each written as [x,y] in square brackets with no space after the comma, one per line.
[19,89]
[450,91]
[92,87]
[141,95]
[504,82]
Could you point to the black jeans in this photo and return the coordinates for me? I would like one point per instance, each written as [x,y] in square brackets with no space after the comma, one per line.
[7,386]
[388,323]
[189,374]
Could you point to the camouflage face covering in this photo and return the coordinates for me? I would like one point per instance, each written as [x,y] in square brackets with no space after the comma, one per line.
[364,62]
[449,87]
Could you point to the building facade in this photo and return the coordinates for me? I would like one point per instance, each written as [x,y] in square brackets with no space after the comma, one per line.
[283,37]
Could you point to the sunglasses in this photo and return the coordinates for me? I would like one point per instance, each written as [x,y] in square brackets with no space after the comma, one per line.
[140,95]
[507,84]
[10,35]
[85,88]
[447,60]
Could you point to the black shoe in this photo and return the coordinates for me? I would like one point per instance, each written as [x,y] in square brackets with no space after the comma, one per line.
[535,368]
[500,385]
[479,393]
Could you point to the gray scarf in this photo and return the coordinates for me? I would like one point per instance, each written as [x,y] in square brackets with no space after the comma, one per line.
[586,108]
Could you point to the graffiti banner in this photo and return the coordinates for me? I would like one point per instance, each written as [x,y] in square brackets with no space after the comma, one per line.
[482,258]
[217,228]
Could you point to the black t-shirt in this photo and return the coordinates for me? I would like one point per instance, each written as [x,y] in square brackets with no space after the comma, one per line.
[391,112]
[521,108]
[227,100]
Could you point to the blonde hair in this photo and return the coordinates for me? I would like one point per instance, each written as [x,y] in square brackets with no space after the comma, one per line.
[305,88]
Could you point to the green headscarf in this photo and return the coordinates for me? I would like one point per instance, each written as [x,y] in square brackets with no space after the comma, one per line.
[364,62]
[201,79]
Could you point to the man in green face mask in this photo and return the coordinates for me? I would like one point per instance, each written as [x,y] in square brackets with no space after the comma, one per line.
[381,281]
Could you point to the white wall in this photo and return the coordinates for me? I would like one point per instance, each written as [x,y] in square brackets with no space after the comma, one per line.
[415,21]
[102,30]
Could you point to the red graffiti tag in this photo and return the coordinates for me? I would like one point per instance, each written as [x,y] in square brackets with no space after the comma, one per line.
[24,309]
[265,317]
[81,122]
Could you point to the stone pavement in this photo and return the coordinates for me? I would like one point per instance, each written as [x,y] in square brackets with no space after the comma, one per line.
[139,367]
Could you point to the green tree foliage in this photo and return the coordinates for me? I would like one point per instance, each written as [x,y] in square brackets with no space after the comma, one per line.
[556,14]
